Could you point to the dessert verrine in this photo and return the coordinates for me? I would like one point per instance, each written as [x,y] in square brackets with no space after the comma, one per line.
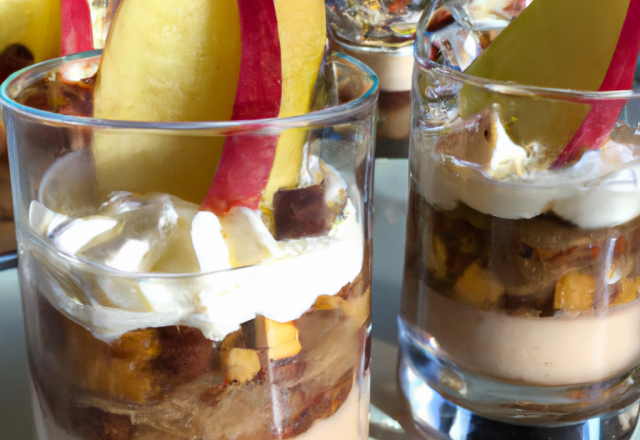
[520,300]
[279,341]
[148,317]
[525,275]
[187,279]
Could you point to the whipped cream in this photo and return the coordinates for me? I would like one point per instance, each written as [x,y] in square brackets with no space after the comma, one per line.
[601,190]
[239,270]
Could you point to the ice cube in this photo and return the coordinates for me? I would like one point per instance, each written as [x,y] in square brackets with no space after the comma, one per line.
[458,46]
[366,22]
[77,234]
[146,224]
[248,238]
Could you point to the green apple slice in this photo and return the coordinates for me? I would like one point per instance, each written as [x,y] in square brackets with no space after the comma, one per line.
[565,44]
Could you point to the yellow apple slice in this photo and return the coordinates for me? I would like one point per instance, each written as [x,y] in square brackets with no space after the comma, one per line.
[566,44]
[302,31]
[34,24]
[252,170]
[166,61]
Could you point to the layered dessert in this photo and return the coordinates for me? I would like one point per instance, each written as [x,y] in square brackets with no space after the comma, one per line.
[521,266]
[208,283]
[533,280]
[275,349]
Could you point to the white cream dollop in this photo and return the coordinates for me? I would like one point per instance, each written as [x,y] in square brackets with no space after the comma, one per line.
[244,271]
[596,192]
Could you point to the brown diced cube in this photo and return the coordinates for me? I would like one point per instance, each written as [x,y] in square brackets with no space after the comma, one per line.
[185,351]
[301,212]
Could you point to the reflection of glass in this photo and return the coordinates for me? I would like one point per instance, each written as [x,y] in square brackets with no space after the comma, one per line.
[274,348]
[380,33]
[374,23]
[101,14]
[520,298]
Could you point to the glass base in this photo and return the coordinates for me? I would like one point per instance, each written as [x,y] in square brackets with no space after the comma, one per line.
[423,378]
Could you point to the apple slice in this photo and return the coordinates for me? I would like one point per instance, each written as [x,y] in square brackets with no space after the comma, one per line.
[303,35]
[33,25]
[166,61]
[77,31]
[570,44]
[248,172]
[246,160]
[595,128]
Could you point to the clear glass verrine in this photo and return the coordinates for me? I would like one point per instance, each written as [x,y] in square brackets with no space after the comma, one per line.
[129,335]
[520,308]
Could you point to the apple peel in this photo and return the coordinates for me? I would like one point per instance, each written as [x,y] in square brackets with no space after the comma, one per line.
[569,44]
[77,31]
[246,161]
[602,117]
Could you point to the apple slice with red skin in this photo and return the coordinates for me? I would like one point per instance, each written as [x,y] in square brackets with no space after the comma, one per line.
[571,44]
[77,31]
[249,168]
[603,115]
[246,161]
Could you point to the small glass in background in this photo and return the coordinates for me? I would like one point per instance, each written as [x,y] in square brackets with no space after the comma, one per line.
[380,33]
[32,34]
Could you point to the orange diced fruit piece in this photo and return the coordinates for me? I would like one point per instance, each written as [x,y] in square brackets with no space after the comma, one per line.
[282,339]
[138,345]
[478,287]
[122,370]
[327,302]
[122,379]
[574,292]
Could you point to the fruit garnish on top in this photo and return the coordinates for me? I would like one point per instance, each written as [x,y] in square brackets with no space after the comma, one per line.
[29,33]
[586,45]
[77,29]
[283,44]
[207,61]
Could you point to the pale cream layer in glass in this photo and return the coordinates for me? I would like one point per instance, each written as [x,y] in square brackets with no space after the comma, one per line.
[559,350]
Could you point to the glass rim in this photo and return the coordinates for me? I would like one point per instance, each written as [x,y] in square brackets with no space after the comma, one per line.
[515,89]
[507,87]
[325,116]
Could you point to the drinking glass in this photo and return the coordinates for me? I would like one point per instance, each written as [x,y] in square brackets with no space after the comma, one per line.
[520,314]
[127,336]
[380,33]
